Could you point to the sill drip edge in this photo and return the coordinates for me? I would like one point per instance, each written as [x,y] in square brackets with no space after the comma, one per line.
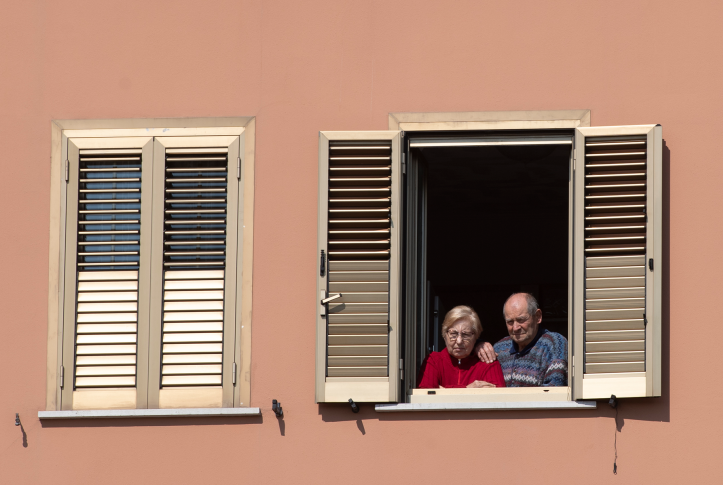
[484,406]
[149,413]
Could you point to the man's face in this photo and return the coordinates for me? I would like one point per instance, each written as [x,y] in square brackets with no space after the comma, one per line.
[521,326]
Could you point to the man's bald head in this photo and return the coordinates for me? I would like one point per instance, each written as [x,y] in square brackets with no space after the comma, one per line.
[522,316]
[524,299]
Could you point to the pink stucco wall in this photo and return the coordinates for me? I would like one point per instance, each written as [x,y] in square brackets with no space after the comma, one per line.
[305,66]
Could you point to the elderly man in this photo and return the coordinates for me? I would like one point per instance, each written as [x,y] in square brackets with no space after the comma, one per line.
[531,356]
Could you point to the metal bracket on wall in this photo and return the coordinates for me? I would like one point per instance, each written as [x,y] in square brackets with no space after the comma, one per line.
[277,409]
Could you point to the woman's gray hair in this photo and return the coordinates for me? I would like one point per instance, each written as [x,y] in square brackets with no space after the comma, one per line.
[532,305]
[462,312]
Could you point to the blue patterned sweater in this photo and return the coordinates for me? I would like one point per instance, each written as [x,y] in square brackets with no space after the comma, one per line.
[542,363]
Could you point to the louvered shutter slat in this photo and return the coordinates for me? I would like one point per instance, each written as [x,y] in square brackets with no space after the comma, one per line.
[358,241]
[108,252]
[194,258]
[615,243]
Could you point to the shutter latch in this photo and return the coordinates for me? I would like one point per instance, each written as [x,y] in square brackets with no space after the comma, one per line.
[331,298]
[67,170]
[325,300]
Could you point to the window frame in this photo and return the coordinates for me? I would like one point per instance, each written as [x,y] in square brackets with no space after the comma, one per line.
[484,121]
[61,131]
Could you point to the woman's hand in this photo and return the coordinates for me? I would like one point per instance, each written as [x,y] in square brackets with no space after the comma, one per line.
[480,384]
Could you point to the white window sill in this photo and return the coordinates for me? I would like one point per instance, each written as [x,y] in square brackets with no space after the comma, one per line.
[484,406]
[150,413]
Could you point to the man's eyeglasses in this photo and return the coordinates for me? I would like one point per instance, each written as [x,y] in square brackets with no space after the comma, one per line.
[466,337]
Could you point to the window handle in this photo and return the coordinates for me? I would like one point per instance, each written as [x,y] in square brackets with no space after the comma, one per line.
[330,298]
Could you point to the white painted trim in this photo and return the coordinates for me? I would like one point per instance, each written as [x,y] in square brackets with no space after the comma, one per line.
[490,120]
[143,123]
[485,406]
[150,413]
[621,387]
[486,395]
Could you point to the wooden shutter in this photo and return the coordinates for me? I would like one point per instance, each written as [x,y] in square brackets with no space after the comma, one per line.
[107,246]
[358,258]
[193,327]
[618,261]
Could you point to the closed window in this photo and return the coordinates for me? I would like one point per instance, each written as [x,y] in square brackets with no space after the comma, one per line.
[153,288]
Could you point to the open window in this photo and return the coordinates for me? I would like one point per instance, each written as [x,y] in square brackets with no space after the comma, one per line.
[488,215]
[570,214]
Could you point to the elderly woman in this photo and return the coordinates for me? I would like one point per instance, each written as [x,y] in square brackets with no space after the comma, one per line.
[455,366]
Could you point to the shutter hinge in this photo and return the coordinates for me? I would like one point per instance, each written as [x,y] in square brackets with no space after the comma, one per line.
[401,365]
[238,168]
[574,163]
[645,319]
[62,376]
[404,163]
[650,264]
[322,265]
[233,374]
[67,170]
[573,366]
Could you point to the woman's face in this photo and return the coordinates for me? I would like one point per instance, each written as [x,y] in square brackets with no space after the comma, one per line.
[460,339]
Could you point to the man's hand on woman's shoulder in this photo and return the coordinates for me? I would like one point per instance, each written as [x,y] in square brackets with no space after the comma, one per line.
[485,352]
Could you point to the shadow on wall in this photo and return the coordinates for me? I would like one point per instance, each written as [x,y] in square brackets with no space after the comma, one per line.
[146,422]
[282,425]
[18,422]
[658,409]
[334,413]
[642,409]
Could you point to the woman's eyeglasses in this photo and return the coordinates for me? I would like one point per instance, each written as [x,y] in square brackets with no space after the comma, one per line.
[466,337]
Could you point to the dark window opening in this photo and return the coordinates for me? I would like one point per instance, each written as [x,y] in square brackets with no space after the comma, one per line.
[483,222]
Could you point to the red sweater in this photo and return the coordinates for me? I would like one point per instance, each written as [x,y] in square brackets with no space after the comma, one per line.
[441,369]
